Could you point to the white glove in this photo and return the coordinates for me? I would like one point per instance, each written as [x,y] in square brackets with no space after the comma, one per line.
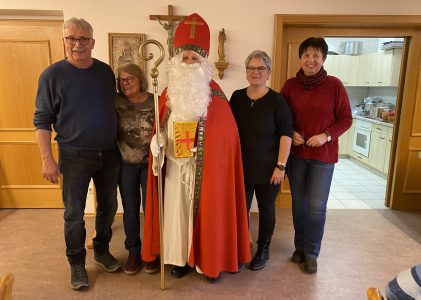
[154,144]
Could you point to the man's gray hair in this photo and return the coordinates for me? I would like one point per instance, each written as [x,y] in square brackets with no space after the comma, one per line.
[80,23]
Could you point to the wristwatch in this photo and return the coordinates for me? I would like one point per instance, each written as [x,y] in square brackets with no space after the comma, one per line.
[328,136]
[281,166]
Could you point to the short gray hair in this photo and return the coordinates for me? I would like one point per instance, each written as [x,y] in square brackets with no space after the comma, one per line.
[136,71]
[262,55]
[79,23]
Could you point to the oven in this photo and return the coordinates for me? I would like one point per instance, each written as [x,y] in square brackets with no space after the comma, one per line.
[362,136]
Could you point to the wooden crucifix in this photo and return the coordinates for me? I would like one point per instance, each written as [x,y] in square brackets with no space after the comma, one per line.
[169,26]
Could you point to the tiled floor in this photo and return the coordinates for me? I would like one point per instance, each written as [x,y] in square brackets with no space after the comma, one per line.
[356,187]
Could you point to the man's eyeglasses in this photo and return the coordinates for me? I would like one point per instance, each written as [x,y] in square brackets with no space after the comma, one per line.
[129,80]
[72,40]
[259,69]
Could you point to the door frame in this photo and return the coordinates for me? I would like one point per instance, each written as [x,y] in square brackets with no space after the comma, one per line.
[399,194]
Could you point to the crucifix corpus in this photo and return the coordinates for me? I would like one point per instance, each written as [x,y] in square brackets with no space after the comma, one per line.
[167,22]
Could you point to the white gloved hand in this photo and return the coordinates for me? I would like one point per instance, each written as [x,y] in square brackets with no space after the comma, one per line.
[154,144]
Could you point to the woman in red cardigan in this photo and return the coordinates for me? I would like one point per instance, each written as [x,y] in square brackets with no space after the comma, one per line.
[321,113]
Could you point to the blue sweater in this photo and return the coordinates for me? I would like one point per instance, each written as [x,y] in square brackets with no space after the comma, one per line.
[80,104]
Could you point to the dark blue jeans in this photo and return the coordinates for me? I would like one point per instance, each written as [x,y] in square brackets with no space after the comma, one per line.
[265,196]
[310,185]
[77,168]
[132,183]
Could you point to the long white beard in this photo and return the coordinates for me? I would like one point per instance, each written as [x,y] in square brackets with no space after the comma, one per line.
[188,91]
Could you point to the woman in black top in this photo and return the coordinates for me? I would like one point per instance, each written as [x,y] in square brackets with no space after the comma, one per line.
[265,125]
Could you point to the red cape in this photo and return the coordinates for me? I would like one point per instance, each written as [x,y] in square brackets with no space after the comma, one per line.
[220,233]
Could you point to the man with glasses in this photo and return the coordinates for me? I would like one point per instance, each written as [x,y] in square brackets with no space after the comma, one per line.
[77,96]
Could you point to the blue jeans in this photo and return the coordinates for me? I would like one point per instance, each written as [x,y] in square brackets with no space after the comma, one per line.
[310,185]
[77,168]
[265,196]
[132,181]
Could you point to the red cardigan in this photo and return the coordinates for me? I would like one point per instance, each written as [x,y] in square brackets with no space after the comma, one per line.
[324,108]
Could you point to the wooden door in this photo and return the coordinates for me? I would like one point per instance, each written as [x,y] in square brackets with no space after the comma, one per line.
[26,49]
[404,184]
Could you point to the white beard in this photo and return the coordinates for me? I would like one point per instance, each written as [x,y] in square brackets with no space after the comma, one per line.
[188,91]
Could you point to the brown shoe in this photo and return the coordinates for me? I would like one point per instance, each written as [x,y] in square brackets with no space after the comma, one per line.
[132,265]
[152,266]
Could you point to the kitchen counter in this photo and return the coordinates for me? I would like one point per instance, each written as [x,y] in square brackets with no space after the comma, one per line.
[374,121]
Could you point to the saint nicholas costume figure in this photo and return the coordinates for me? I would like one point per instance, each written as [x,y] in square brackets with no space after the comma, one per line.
[205,216]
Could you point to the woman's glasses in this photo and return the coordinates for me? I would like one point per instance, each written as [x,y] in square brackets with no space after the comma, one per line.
[129,80]
[260,69]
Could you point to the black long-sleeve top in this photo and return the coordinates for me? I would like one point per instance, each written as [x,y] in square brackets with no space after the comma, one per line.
[261,123]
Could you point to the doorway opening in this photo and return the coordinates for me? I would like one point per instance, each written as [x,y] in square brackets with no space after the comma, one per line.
[369,69]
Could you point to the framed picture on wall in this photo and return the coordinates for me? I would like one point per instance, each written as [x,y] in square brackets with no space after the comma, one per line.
[124,48]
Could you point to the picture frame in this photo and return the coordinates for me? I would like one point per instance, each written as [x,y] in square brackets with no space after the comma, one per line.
[124,48]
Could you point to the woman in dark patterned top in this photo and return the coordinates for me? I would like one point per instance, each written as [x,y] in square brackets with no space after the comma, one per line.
[135,110]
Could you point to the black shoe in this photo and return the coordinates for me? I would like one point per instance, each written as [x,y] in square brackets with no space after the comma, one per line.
[79,277]
[179,272]
[260,258]
[310,265]
[213,279]
[107,262]
[240,268]
[152,266]
[298,256]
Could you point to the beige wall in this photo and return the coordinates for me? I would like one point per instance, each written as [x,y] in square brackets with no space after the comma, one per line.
[248,24]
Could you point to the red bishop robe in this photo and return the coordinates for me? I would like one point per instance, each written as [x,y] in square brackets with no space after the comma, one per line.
[220,233]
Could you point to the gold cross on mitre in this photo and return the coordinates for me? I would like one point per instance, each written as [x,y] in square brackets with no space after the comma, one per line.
[193,24]
[169,26]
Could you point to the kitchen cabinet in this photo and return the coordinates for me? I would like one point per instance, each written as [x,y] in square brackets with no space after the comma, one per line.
[396,67]
[388,148]
[348,69]
[378,147]
[331,65]
[345,67]
[344,143]
[351,138]
[380,68]
[367,66]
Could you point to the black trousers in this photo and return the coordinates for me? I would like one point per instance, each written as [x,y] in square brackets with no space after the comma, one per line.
[266,197]
[77,168]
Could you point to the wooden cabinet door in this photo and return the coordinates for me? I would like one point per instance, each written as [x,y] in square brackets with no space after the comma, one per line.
[331,65]
[377,150]
[26,49]
[383,75]
[387,152]
[343,143]
[348,69]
